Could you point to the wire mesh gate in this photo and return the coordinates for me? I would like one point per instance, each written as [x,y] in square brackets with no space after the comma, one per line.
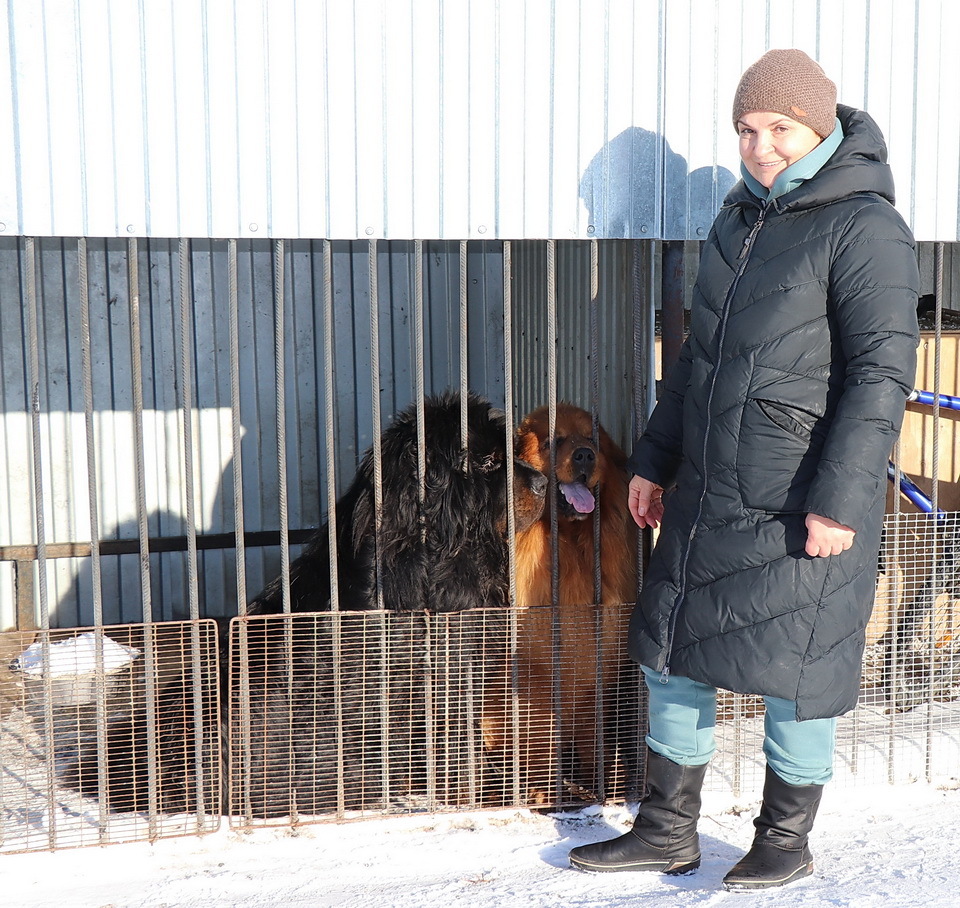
[347,714]
[109,735]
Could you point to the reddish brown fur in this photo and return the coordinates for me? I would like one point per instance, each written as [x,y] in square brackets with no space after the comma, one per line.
[591,637]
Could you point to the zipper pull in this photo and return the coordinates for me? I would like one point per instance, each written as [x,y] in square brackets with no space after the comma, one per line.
[754,230]
[665,674]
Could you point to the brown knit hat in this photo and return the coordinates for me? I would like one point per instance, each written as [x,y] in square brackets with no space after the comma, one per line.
[788,82]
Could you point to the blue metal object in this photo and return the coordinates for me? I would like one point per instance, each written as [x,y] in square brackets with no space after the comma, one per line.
[911,490]
[907,486]
[930,399]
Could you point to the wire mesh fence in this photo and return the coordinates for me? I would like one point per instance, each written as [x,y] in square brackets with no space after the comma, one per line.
[348,714]
[108,735]
[907,723]
[112,735]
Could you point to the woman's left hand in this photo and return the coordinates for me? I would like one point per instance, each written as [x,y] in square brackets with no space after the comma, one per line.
[826,537]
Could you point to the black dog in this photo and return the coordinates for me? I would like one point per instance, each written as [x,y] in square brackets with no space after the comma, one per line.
[329,710]
[447,553]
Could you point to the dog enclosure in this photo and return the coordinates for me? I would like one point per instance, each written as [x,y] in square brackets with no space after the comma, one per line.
[392,716]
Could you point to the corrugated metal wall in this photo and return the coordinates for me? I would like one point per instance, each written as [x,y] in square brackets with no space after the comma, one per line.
[59,391]
[436,118]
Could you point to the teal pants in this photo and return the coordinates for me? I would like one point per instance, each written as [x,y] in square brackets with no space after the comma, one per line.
[683,714]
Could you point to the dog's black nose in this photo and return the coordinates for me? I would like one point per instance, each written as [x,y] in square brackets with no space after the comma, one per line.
[538,483]
[585,458]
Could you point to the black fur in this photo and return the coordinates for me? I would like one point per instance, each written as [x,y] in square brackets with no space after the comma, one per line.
[446,554]
[337,714]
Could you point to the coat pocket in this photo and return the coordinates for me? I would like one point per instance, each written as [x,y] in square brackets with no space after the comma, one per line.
[790,419]
[778,453]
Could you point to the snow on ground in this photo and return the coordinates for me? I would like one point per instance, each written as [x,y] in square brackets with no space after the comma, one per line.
[874,846]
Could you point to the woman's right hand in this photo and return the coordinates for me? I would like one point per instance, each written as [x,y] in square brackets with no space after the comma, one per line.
[646,502]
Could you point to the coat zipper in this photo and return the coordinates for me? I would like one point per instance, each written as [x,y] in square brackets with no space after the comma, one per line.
[743,258]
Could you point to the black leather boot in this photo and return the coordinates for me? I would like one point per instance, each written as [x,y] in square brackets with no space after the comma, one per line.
[779,853]
[664,835]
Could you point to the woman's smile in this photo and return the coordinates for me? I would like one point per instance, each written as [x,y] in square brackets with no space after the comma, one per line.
[771,142]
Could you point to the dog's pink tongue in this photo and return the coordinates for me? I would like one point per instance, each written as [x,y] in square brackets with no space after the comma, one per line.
[579,496]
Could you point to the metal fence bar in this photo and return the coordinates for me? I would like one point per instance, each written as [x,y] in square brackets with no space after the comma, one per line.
[599,704]
[945,543]
[36,444]
[512,644]
[557,692]
[186,408]
[373,282]
[236,423]
[150,691]
[329,370]
[430,719]
[893,656]
[473,763]
[643,398]
[236,426]
[279,343]
[93,505]
[372,276]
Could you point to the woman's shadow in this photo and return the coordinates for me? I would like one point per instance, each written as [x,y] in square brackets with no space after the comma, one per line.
[637,187]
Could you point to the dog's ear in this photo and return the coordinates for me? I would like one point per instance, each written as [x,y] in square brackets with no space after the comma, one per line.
[527,447]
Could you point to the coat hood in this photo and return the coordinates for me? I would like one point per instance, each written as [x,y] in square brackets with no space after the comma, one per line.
[858,165]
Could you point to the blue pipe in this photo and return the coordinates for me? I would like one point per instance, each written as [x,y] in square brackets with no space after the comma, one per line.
[931,400]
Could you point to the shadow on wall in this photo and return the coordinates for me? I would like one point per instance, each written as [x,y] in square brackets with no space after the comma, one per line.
[637,187]
[72,604]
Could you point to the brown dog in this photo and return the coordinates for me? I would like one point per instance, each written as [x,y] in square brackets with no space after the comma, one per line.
[569,657]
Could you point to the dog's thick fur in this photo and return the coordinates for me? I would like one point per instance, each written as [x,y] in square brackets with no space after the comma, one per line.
[447,553]
[341,689]
[570,660]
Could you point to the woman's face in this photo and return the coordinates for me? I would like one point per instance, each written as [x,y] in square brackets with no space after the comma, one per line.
[771,142]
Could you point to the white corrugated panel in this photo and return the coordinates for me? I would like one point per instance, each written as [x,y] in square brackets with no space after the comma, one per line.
[436,118]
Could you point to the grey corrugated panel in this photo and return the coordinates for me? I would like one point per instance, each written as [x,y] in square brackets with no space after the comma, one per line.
[436,118]
[574,357]
[61,398]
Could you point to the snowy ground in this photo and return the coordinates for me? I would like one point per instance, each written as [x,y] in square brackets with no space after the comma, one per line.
[876,846]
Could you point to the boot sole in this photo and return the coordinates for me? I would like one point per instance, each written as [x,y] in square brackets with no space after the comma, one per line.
[672,868]
[747,884]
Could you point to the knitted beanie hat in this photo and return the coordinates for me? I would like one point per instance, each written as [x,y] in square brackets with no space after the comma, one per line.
[788,82]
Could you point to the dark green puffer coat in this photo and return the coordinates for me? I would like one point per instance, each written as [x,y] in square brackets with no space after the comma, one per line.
[787,400]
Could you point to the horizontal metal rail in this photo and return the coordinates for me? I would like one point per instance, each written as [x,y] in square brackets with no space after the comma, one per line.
[261,539]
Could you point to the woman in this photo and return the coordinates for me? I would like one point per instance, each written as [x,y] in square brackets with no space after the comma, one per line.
[771,439]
